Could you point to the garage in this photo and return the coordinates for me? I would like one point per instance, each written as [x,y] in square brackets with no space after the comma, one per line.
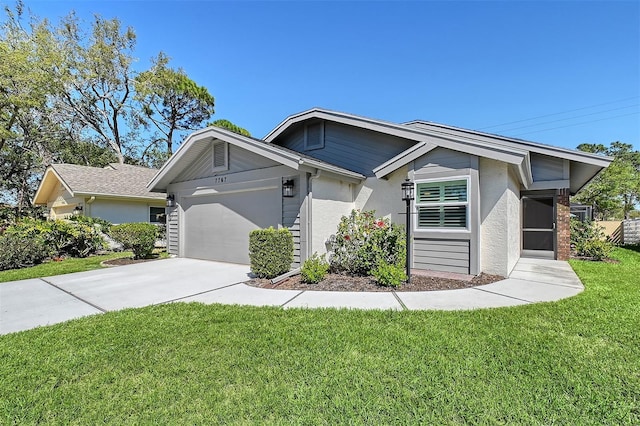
[216,227]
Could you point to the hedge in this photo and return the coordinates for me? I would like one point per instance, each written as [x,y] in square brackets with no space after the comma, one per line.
[270,252]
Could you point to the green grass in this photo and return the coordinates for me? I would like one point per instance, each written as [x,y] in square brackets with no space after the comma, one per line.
[575,361]
[66,266]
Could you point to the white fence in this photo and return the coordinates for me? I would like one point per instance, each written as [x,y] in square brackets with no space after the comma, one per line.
[631,231]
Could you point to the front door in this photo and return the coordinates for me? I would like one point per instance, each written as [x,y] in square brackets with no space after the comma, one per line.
[538,226]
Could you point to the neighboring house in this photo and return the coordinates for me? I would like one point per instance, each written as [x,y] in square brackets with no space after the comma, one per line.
[116,193]
[482,200]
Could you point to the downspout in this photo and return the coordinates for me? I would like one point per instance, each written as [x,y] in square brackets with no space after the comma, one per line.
[309,210]
[88,204]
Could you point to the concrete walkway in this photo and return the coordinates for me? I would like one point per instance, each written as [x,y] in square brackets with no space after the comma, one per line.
[31,303]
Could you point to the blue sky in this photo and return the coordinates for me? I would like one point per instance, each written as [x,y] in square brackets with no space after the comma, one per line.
[561,73]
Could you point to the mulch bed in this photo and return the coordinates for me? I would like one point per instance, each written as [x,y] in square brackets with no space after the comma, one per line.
[127,261]
[336,282]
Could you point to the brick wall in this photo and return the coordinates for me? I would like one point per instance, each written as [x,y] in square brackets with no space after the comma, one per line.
[563,224]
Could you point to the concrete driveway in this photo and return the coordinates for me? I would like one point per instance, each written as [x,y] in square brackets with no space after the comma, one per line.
[35,302]
[31,303]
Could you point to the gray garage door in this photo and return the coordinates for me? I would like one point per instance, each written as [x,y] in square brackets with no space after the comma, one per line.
[217,227]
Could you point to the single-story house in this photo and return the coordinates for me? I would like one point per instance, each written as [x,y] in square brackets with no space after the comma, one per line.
[481,200]
[116,193]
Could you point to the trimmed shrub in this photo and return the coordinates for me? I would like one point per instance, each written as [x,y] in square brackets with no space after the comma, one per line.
[389,275]
[362,242]
[139,237]
[314,269]
[270,252]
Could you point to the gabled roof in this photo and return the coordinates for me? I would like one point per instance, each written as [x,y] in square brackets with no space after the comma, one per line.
[428,135]
[199,140]
[114,181]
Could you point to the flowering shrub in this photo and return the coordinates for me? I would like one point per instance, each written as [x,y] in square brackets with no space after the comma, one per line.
[363,241]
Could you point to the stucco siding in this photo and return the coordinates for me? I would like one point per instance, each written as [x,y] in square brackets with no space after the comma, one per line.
[331,200]
[117,212]
[354,149]
[383,196]
[239,160]
[500,217]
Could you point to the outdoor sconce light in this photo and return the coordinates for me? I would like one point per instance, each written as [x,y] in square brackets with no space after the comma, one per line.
[77,210]
[287,188]
[408,195]
[171,200]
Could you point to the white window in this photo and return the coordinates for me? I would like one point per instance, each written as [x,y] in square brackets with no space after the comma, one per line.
[314,136]
[442,204]
[156,214]
[220,156]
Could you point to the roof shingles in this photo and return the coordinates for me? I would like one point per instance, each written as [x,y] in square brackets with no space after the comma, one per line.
[117,179]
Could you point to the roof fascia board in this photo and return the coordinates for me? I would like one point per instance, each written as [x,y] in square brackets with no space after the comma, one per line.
[225,136]
[463,144]
[272,152]
[403,158]
[332,173]
[568,154]
[118,197]
[50,170]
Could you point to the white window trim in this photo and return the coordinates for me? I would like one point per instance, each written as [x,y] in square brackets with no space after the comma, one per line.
[306,140]
[467,203]
[226,158]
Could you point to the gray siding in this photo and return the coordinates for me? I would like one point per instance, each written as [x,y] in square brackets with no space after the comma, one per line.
[545,168]
[240,160]
[449,250]
[441,255]
[291,218]
[172,230]
[354,149]
[442,160]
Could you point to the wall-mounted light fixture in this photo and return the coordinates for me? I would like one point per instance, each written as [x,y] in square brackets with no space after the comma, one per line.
[171,200]
[408,195]
[287,188]
[77,210]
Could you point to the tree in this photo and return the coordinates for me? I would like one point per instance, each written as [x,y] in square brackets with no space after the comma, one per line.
[171,102]
[226,124]
[98,81]
[615,191]
[28,125]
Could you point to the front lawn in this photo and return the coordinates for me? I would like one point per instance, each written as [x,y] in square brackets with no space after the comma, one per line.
[66,266]
[576,361]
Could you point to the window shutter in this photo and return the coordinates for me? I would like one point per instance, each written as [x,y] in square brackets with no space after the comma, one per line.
[442,204]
